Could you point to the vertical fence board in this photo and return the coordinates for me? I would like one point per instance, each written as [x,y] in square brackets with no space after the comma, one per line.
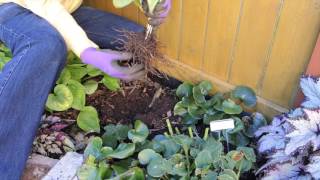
[194,19]
[298,30]
[222,26]
[169,32]
[255,34]
[131,12]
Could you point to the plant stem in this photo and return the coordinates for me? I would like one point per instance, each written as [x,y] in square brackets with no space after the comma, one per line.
[190,132]
[206,134]
[239,172]
[186,152]
[177,130]
[166,134]
[169,127]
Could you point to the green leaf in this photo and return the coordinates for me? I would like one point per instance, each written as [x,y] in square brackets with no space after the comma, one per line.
[114,133]
[87,172]
[254,124]
[123,151]
[179,165]
[64,77]
[179,109]
[88,119]
[93,148]
[152,5]
[78,93]
[77,71]
[204,159]
[146,155]
[205,87]
[137,174]
[182,140]
[189,120]
[195,111]
[184,90]
[121,3]
[170,147]
[90,86]
[246,95]
[158,167]
[248,153]
[92,71]
[140,133]
[207,118]
[211,175]
[239,126]
[104,170]
[228,174]
[61,99]
[199,98]
[113,84]
[230,107]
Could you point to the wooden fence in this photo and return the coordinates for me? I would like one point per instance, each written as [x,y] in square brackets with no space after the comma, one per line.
[265,44]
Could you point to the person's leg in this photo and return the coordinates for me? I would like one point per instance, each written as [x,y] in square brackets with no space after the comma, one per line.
[103,27]
[39,54]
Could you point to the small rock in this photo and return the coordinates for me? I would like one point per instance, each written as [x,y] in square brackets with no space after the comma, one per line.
[66,168]
[37,167]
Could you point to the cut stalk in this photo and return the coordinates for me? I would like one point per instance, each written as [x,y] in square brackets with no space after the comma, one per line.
[206,134]
[190,132]
[169,127]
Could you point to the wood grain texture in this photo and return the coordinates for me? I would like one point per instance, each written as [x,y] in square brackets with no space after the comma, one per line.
[255,35]
[131,12]
[223,20]
[298,30]
[194,19]
[169,32]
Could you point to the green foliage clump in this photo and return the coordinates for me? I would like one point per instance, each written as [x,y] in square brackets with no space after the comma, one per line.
[5,55]
[132,155]
[75,82]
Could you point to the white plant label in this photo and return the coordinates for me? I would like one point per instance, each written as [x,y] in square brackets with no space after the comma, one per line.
[223,124]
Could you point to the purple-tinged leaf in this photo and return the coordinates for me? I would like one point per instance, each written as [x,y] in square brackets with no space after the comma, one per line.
[286,171]
[314,167]
[306,131]
[311,89]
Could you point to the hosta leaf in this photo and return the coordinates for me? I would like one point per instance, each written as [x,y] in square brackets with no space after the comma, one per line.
[204,159]
[123,151]
[90,86]
[211,175]
[87,172]
[88,119]
[113,84]
[195,111]
[239,126]
[179,165]
[246,95]
[248,153]
[306,131]
[230,107]
[205,87]
[64,77]
[139,133]
[61,99]
[179,109]
[182,140]
[311,90]
[146,155]
[78,93]
[184,90]
[121,3]
[199,98]
[207,118]
[189,120]
[170,147]
[152,5]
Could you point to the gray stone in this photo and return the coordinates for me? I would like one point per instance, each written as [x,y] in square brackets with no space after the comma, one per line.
[37,167]
[66,168]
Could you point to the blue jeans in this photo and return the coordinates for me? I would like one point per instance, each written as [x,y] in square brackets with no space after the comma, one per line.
[39,54]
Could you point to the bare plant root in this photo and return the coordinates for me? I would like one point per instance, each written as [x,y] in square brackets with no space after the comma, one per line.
[144,51]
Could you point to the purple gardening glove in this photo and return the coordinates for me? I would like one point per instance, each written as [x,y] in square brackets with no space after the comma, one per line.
[159,14]
[108,61]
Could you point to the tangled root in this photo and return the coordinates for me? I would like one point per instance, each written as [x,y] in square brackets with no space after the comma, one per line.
[144,51]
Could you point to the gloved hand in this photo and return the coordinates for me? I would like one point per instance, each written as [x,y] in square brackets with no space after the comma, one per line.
[108,62]
[159,13]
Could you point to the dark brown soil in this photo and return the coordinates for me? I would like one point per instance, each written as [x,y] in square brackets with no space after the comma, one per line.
[132,102]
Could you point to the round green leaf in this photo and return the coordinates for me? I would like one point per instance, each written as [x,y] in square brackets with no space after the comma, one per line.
[90,86]
[245,94]
[92,71]
[230,107]
[88,119]
[255,123]
[65,76]
[158,167]
[77,71]
[184,90]
[139,133]
[113,84]
[93,148]
[205,87]
[179,109]
[204,159]
[79,95]
[239,126]
[146,155]
[228,174]
[123,151]
[61,99]
[121,3]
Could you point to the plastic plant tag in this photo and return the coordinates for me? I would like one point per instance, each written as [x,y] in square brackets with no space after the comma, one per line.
[221,125]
